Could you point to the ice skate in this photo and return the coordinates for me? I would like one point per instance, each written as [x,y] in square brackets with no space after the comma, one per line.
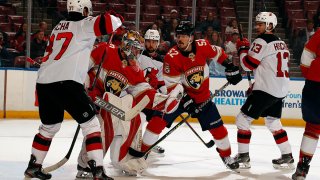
[98,172]
[230,163]
[84,173]
[244,160]
[285,162]
[302,169]
[35,170]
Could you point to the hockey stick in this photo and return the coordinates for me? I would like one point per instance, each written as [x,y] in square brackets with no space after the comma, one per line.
[32,61]
[118,112]
[241,39]
[140,154]
[66,158]
[208,144]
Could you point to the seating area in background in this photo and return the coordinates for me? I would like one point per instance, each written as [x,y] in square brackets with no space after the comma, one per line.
[298,12]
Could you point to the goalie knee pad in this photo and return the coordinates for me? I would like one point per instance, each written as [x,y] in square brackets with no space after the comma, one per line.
[49,131]
[273,124]
[243,121]
[90,126]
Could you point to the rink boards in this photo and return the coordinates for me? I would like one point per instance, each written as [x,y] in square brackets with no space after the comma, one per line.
[17,93]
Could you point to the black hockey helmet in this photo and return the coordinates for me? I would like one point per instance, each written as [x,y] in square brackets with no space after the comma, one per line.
[184,28]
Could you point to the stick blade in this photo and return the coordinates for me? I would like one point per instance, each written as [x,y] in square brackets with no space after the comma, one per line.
[210,144]
[55,166]
[136,153]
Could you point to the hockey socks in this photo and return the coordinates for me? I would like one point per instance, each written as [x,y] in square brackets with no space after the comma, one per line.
[220,134]
[309,141]
[94,147]
[40,147]
[243,138]
[153,130]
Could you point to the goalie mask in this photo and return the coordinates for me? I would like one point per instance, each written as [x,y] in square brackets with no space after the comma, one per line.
[132,44]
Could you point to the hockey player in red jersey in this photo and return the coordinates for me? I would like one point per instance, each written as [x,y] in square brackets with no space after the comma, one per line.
[60,85]
[121,74]
[186,64]
[268,57]
[310,66]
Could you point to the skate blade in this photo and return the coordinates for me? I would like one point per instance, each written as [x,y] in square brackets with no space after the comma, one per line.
[285,166]
[298,178]
[27,178]
[244,165]
[130,174]
[235,170]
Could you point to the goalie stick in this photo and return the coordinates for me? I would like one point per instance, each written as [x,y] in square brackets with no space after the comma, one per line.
[119,113]
[140,154]
[66,158]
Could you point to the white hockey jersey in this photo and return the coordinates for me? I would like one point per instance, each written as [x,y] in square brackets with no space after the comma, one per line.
[69,47]
[146,63]
[268,57]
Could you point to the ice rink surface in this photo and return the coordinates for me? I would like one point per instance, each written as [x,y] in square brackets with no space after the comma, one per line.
[185,156]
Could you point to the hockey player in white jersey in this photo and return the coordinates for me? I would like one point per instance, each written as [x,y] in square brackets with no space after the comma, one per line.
[149,61]
[60,85]
[268,57]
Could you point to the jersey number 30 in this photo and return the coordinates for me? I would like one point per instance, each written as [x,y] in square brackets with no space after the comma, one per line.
[67,36]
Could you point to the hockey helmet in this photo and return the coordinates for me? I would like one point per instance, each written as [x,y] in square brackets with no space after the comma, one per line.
[78,6]
[153,34]
[130,41]
[88,4]
[184,28]
[267,17]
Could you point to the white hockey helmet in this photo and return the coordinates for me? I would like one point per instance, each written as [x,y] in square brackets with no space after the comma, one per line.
[88,4]
[153,34]
[78,6]
[267,17]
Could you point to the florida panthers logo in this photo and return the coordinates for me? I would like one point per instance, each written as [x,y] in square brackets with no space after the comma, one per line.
[195,76]
[115,82]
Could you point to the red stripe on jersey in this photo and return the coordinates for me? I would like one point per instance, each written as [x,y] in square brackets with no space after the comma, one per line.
[108,23]
[40,147]
[253,60]
[94,146]
[244,60]
[96,26]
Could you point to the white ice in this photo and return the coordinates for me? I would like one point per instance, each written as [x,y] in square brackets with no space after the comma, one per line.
[185,156]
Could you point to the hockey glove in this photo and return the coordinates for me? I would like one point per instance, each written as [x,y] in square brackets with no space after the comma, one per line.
[151,77]
[233,74]
[243,46]
[190,106]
